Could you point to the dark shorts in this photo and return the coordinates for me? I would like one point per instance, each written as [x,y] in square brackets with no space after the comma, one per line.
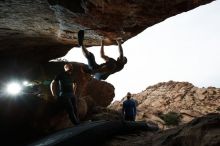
[101,76]
[109,65]
[93,66]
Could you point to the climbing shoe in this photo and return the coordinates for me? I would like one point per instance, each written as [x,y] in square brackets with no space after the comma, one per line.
[80,37]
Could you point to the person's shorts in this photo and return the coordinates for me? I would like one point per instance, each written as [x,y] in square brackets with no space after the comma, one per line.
[101,76]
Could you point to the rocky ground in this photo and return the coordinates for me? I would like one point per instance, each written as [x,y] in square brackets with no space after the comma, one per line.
[33,114]
[36,31]
[179,108]
[187,116]
[203,131]
[180,100]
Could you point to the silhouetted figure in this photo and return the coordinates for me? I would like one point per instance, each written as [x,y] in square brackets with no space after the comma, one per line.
[129,108]
[111,66]
[65,83]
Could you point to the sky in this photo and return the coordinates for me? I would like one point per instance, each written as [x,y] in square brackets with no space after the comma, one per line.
[185,47]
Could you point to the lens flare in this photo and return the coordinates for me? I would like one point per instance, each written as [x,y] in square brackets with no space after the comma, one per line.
[13,88]
[25,83]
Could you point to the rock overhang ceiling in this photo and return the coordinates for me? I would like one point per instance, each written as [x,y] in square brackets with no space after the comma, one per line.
[40,30]
[32,32]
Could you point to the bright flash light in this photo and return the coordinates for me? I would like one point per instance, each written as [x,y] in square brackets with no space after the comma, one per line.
[25,83]
[13,88]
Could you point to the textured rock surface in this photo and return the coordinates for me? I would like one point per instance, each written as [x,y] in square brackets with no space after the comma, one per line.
[40,30]
[31,116]
[204,131]
[32,32]
[180,97]
[200,132]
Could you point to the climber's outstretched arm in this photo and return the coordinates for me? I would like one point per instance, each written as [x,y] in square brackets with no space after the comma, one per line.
[121,55]
[102,52]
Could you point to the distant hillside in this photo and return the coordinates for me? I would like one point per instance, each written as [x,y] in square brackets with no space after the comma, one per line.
[173,103]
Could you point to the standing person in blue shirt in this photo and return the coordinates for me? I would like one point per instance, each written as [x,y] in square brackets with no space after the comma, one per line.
[111,66]
[65,83]
[129,108]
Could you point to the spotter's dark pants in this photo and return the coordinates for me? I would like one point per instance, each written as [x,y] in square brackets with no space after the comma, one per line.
[68,101]
[129,118]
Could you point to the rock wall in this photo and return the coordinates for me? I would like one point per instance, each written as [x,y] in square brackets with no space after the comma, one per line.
[179,97]
[199,132]
[32,115]
[41,30]
[32,32]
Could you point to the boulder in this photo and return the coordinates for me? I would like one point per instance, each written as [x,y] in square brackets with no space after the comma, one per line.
[179,97]
[41,30]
